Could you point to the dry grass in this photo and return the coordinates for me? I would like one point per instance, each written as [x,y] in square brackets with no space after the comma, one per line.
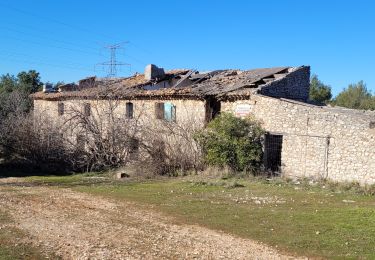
[13,243]
[302,217]
[313,221]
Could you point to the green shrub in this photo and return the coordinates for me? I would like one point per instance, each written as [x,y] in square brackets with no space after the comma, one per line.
[233,142]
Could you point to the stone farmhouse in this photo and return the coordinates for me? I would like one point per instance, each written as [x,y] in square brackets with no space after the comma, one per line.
[302,140]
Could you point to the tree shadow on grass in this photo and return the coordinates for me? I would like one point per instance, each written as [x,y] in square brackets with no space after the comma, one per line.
[22,169]
[54,176]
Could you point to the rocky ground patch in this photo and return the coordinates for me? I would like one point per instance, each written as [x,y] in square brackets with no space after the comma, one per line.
[76,225]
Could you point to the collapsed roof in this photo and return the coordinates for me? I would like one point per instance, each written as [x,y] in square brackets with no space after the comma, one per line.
[174,83]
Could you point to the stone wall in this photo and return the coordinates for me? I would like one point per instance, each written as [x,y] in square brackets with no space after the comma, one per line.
[187,111]
[175,138]
[318,142]
[190,116]
[295,85]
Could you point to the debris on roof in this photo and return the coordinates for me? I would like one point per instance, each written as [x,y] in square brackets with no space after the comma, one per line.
[68,87]
[181,82]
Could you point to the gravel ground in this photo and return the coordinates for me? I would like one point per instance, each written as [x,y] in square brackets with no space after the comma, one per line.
[75,225]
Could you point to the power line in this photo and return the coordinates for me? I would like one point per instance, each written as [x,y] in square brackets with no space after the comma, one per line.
[75,27]
[81,48]
[47,64]
[53,46]
[53,20]
[38,58]
[42,36]
[113,63]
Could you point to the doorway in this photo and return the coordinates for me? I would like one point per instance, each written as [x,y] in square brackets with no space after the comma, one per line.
[272,152]
[213,107]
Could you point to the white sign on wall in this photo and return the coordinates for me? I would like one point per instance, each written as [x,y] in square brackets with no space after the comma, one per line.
[242,110]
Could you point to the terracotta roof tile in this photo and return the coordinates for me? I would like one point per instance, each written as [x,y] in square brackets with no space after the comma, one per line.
[220,82]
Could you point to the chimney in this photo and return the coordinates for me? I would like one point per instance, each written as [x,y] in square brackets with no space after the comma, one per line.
[153,72]
[48,87]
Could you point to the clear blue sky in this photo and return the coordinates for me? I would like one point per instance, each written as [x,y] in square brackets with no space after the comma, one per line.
[64,40]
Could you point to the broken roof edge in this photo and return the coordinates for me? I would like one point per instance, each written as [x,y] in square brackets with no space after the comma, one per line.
[133,86]
[290,72]
[54,98]
[356,113]
[292,101]
[248,88]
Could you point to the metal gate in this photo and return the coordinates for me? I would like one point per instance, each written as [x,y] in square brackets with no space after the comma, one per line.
[272,152]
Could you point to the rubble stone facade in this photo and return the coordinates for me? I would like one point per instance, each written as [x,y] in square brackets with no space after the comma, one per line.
[303,140]
[318,142]
[187,111]
[294,86]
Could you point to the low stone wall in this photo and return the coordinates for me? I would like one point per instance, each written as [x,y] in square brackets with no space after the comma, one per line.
[318,142]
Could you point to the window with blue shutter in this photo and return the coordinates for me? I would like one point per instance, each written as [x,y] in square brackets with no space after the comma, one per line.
[166,111]
[169,112]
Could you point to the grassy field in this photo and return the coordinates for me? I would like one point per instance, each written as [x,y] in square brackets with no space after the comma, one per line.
[295,218]
[12,242]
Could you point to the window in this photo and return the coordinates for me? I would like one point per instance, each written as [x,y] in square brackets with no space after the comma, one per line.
[169,112]
[166,111]
[80,142]
[129,110]
[87,109]
[158,151]
[134,145]
[159,110]
[133,148]
[60,108]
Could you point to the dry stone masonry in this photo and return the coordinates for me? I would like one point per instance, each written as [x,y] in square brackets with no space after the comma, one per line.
[318,142]
[303,140]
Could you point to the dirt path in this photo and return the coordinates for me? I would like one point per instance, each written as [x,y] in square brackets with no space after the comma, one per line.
[75,225]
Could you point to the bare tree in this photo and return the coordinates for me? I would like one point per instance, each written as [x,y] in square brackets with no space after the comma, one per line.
[171,147]
[103,136]
[97,134]
[107,139]
[35,140]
